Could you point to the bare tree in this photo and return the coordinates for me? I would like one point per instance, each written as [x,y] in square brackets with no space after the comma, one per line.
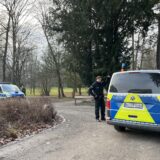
[20,11]
[156,10]
[32,70]
[46,73]
[17,35]
[147,52]
[8,5]
[42,18]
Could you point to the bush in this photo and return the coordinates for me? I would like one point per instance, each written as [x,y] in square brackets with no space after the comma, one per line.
[21,116]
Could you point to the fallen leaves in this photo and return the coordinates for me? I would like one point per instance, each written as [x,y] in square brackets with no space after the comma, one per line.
[20,118]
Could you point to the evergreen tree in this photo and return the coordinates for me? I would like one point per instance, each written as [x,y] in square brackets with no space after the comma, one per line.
[97,33]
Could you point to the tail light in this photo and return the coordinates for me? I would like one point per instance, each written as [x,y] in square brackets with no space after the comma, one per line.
[108,104]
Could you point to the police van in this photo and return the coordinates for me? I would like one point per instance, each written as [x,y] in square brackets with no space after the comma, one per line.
[133,100]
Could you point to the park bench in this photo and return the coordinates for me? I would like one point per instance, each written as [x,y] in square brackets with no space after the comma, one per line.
[86,98]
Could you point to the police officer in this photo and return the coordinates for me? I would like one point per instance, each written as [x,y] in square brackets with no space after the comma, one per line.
[96,90]
[23,89]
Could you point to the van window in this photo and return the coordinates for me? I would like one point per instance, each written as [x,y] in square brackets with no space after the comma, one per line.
[136,82]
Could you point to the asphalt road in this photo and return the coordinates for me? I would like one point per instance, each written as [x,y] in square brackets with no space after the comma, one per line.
[82,138]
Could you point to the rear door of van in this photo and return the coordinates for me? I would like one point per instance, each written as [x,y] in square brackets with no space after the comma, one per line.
[135,96]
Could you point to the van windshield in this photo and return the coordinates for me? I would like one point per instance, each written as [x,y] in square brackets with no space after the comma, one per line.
[136,82]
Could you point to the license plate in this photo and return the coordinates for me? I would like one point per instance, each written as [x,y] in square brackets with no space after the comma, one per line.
[134,105]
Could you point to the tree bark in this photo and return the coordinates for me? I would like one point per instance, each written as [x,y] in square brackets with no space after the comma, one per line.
[80,90]
[14,40]
[60,90]
[75,84]
[137,51]
[6,49]
[142,53]
[133,57]
[158,45]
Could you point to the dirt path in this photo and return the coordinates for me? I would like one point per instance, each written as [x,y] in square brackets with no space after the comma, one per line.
[81,138]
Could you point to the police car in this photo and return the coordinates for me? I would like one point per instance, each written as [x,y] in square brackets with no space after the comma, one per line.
[133,100]
[10,91]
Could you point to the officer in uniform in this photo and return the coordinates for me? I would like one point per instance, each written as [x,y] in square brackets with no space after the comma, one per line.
[96,90]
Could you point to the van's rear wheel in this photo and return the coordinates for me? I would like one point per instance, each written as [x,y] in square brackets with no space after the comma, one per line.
[120,128]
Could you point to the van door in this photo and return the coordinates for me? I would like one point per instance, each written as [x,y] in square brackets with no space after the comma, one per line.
[134,96]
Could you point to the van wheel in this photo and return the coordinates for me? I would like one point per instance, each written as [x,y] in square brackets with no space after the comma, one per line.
[120,128]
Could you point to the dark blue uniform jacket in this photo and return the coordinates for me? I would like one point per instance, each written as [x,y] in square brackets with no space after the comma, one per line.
[96,89]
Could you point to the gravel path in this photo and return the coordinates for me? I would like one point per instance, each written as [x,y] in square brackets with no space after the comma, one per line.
[82,138]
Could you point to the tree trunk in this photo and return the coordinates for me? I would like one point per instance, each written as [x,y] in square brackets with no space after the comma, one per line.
[137,51]
[158,46]
[142,52]
[6,50]
[61,91]
[14,39]
[73,93]
[74,84]
[80,91]
[60,86]
[133,58]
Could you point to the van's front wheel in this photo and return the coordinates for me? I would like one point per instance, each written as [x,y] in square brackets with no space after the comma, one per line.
[120,128]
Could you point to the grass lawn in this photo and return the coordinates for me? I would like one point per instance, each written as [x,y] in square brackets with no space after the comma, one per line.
[54,92]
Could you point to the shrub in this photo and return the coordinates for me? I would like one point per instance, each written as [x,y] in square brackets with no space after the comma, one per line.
[19,115]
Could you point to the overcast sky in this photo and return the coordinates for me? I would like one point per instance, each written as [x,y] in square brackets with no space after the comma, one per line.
[30,21]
